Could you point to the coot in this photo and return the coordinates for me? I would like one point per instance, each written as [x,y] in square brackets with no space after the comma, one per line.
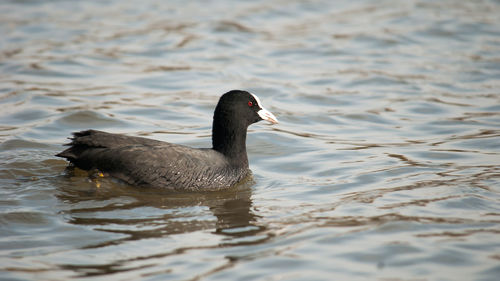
[152,163]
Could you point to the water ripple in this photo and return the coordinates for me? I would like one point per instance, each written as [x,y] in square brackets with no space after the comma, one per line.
[384,164]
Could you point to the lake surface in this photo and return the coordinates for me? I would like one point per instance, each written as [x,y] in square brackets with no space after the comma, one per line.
[385,164]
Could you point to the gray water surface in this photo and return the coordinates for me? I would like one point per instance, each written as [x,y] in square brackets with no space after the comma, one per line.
[385,164]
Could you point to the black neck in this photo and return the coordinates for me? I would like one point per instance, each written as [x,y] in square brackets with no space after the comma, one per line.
[230,140]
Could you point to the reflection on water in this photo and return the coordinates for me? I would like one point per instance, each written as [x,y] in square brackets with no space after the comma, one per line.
[231,209]
[132,214]
[385,164]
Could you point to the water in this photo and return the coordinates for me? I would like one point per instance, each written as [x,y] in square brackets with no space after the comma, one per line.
[385,165]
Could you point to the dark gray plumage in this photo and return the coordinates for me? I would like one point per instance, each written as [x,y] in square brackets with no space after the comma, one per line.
[146,162]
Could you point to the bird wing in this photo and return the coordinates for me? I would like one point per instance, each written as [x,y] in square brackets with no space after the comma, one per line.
[168,166]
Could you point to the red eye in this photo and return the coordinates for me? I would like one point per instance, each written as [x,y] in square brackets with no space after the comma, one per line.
[250,103]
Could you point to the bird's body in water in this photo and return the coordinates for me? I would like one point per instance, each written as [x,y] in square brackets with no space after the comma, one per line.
[152,163]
